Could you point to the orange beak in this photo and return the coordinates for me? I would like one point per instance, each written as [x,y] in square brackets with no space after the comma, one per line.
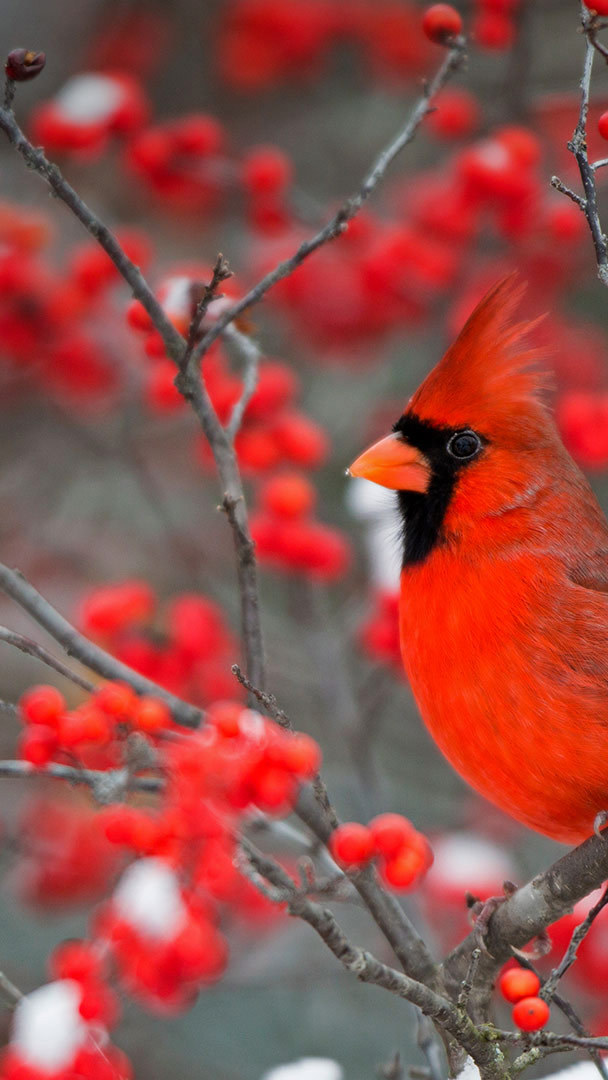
[395,464]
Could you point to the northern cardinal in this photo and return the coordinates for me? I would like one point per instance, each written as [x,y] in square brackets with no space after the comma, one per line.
[504,586]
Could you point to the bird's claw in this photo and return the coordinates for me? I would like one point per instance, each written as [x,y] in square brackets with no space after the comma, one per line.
[601,819]
[481,911]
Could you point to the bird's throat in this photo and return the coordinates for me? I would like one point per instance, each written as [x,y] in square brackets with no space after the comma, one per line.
[423,516]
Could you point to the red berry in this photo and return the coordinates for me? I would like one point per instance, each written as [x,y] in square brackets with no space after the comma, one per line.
[530,1013]
[117,699]
[161,394]
[494,31]
[456,116]
[441,22]
[38,744]
[42,705]
[289,495]
[75,959]
[151,715]
[391,833]
[602,125]
[522,144]
[404,869]
[302,755]
[518,983]
[137,317]
[266,171]
[599,7]
[300,440]
[351,844]
[111,608]
[226,716]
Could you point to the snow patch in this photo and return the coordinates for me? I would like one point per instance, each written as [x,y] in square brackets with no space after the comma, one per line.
[148,896]
[48,1030]
[469,862]
[89,99]
[306,1069]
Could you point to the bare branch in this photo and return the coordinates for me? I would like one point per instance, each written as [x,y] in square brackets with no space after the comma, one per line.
[10,992]
[526,914]
[569,956]
[87,652]
[32,648]
[221,272]
[250,354]
[453,61]
[107,786]
[369,969]
[578,146]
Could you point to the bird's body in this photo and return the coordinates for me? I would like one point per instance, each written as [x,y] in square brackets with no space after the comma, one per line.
[504,587]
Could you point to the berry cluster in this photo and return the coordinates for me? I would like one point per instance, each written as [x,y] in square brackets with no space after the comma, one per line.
[403,854]
[61,1030]
[521,987]
[88,110]
[51,730]
[379,632]
[182,163]
[262,43]
[184,646]
[287,536]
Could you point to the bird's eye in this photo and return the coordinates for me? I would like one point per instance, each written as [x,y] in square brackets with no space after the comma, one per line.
[464,444]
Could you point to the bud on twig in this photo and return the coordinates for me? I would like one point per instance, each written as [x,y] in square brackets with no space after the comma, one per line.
[24,64]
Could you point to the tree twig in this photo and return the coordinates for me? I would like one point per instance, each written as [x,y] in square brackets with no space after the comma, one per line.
[453,61]
[569,956]
[32,648]
[578,146]
[527,913]
[221,272]
[87,652]
[108,786]
[369,969]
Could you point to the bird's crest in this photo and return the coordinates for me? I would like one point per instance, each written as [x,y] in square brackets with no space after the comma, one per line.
[489,376]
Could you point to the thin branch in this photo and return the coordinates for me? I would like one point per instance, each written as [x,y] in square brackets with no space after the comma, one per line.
[469,979]
[268,701]
[32,648]
[526,914]
[35,159]
[221,272]
[250,354]
[453,61]
[369,969]
[578,146]
[107,786]
[87,652]
[10,992]
[573,1018]
[569,956]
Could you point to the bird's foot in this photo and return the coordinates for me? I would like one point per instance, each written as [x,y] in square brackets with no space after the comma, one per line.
[481,911]
[601,819]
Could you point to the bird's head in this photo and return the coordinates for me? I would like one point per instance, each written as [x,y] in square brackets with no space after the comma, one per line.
[474,439]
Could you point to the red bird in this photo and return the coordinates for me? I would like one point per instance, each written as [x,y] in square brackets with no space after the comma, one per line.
[504,587]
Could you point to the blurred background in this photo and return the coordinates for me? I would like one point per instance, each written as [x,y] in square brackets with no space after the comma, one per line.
[239,126]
